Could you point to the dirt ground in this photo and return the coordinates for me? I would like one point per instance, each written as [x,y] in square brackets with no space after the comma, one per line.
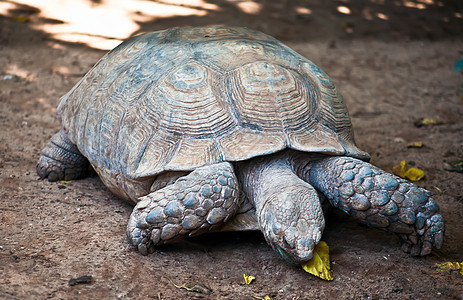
[392,71]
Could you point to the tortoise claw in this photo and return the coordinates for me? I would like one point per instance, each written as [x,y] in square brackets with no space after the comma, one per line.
[430,236]
[138,238]
[143,249]
[433,235]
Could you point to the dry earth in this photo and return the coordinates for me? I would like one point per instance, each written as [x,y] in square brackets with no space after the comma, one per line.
[391,72]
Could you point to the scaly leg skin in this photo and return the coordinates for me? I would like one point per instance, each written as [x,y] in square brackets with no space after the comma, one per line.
[61,160]
[201,200]
[380,200]
[288,209]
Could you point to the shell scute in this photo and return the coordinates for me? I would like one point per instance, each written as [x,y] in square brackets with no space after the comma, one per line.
[189,102]
[182,98]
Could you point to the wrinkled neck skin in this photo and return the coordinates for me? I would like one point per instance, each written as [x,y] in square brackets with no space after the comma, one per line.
[299,163]
[288,208]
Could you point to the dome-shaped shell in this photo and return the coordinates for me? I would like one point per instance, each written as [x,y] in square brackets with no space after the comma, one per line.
[182,98]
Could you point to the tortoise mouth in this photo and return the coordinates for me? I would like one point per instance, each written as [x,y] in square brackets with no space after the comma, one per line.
[291,258]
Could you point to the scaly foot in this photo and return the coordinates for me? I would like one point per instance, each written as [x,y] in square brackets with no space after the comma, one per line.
[206,197]
[61,160]
[380,200]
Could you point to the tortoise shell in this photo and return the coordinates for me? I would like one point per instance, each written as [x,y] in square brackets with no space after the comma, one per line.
[181,98]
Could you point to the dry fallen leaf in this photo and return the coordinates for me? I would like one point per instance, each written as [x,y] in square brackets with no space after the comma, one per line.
[21,19]
[412,174]
[319,265]
[418,144]
[197,288]
[248,279]
[454,166]
[260,298]
[426,122]
[450,266]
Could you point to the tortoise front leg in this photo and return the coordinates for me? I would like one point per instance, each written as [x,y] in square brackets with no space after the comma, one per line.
[288,209]
[61,160]
[380,200]
[197,202]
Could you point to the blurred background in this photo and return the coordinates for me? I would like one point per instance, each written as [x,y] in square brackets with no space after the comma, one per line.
[103,24]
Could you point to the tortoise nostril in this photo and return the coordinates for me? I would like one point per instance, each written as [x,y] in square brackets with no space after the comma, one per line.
[288,243]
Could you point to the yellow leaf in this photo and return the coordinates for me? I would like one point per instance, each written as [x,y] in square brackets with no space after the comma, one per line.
[248,279]
[198,288]
[418,144]
[260,298]
[429,121]
[21,19]
[319,265]
[412,174]
[400,169]
[449,266]
[66,181]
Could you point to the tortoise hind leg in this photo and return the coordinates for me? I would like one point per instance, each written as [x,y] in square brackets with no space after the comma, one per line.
[61,160]
[197,202]
[380,200]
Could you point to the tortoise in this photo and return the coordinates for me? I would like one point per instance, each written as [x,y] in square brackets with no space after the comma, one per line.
[226,128]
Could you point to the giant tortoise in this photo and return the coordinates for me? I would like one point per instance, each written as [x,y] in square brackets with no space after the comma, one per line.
[226,128]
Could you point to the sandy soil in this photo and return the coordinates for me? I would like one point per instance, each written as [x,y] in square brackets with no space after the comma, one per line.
[391,74]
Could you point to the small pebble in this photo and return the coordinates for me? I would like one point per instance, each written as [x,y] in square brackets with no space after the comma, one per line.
[81,279]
